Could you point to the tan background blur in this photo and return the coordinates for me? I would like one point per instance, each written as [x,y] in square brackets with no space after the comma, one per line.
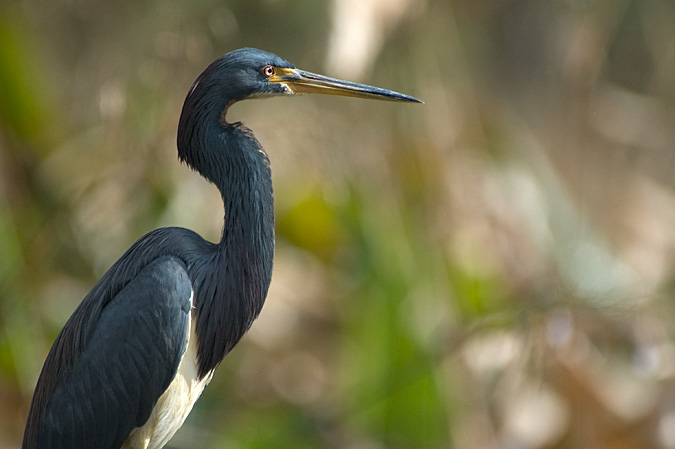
[493,269]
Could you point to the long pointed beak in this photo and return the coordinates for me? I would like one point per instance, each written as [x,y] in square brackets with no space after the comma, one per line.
[299,81]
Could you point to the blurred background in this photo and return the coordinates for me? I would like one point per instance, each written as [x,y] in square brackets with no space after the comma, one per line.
[493,269]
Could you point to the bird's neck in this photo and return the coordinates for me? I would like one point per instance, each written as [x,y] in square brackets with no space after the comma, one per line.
[247,243]
[237,279]
[246,189]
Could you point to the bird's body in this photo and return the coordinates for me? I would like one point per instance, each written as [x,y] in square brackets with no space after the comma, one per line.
[174,405]
[138,351]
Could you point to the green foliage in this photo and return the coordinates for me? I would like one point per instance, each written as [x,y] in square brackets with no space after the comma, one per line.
[25,98]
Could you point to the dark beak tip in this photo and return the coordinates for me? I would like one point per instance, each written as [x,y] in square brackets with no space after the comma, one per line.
[409,99]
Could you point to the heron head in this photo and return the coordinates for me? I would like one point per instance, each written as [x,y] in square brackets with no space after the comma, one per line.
[252,73]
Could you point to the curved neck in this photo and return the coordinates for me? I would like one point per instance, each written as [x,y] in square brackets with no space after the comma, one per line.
[231,288]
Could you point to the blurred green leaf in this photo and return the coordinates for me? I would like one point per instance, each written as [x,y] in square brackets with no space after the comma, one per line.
[26,103]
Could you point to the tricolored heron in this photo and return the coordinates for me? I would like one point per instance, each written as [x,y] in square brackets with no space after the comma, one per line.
[138,351]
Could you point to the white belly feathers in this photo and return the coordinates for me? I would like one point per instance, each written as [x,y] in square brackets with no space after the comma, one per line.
[175,404]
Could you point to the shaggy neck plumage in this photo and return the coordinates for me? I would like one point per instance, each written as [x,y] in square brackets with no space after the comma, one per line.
[231,289]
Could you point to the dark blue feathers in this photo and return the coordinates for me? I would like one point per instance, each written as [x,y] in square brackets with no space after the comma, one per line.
[127,362]
[122,346]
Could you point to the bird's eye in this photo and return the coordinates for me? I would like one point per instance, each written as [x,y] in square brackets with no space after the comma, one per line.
[268,70]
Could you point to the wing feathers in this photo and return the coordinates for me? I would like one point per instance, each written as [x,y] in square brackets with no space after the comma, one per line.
[129,361]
